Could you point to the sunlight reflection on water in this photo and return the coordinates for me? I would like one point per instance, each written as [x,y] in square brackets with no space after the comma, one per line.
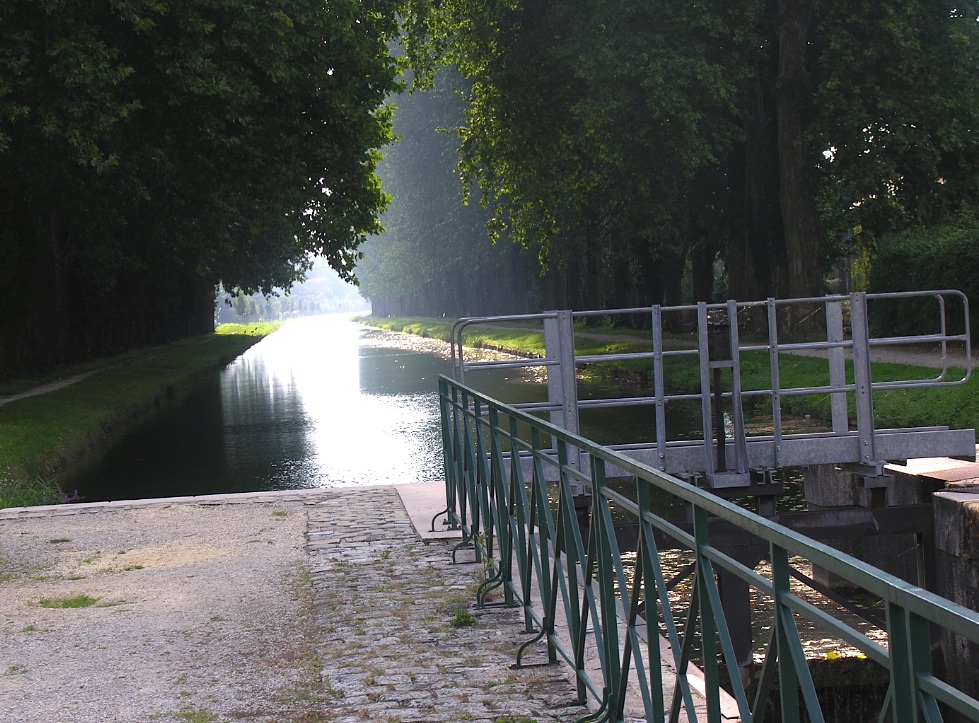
[351,413]
[323,402]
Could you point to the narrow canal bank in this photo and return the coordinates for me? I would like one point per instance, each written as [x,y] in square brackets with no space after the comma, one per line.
[320,403]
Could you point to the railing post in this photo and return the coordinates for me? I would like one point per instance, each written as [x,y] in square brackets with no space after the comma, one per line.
[562,387]
[449,456]
[862,377]
[659,387]
[909,640]
[773,361]
[708,628]
[788,673]
[706,411]
[837,366]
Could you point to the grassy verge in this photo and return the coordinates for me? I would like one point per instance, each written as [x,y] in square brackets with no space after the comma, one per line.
[956,407]
[525,339]
[40,435]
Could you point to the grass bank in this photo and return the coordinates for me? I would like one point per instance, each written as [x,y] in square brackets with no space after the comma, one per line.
[41,434]
[956,407]
[522,339]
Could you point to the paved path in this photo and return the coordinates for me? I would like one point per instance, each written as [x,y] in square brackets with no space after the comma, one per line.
[386,603]
[376,641]
[45,388]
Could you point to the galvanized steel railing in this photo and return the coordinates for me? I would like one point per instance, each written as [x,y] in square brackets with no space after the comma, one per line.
[580,598]
[727,460]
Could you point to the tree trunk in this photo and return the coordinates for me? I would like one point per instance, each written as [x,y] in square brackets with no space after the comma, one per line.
[674,260]
[594,293]
[59,279]
[555,287]
[747,270]
[702,271]
[801,274]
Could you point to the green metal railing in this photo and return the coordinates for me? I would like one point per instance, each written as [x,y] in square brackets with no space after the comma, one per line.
[606,614]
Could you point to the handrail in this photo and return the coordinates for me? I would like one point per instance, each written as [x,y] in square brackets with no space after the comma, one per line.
[726,460]
[579,598]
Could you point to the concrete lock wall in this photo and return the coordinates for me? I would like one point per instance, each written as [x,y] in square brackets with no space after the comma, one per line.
[827,487]
[954,572]
[956,560]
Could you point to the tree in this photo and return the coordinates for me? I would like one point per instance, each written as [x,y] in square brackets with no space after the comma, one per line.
[586,132]
[623,140]
[896,132]
[149,151]
[434,257]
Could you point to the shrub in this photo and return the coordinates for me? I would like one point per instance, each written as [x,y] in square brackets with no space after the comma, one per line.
[944,257]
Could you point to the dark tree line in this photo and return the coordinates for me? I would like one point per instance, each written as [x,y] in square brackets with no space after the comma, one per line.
[647,152]
[150,150]
[619,153]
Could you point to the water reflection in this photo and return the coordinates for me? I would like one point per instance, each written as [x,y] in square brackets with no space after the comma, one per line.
[318,404]
[323,402]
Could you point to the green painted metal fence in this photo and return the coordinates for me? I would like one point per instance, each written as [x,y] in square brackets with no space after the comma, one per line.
[636,627]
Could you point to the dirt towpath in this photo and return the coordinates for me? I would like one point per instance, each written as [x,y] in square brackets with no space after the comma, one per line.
[281,607]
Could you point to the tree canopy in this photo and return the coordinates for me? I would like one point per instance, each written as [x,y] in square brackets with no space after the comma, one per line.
[150,150]
[635,145]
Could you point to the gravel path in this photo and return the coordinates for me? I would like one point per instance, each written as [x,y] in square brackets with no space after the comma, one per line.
[285,607]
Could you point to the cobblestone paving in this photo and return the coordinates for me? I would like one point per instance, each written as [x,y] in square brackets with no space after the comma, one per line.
[385,605]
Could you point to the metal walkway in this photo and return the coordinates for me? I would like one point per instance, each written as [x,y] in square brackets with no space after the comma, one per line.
[728,455]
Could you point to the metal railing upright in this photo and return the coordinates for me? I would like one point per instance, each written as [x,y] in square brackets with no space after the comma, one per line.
[848,343]
[636,630]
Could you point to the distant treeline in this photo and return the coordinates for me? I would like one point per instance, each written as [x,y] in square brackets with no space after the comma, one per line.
[322,292]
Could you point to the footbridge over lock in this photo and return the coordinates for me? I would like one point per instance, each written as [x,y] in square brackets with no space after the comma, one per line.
[581,532]
[728,457]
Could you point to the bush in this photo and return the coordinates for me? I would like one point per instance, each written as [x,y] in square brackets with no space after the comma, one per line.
[945,257]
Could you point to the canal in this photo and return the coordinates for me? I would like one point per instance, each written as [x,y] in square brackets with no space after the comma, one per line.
[323,402]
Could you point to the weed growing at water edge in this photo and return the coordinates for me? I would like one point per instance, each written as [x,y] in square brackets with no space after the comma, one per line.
[27,492]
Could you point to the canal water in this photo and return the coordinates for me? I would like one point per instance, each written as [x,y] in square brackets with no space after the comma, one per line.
[323,402]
